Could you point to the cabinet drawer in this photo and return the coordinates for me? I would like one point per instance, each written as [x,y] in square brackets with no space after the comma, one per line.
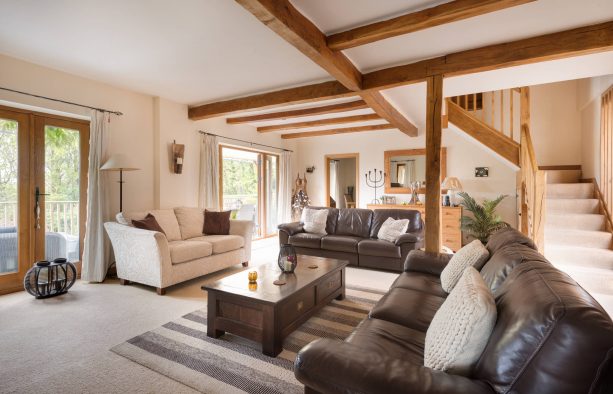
[329,286]
[297,306]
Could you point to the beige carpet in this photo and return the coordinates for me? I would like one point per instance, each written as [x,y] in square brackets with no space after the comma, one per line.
[62,344]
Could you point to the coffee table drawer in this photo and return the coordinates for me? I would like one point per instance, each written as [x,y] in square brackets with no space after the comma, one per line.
[297,305]
[329,285]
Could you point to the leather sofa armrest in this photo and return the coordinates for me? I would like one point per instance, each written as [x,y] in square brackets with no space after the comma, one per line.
[412,237]
[429,263]
[291,228]
[332,366]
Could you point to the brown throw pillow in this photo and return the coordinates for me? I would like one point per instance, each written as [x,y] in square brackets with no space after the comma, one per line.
[148,223]
[216,223]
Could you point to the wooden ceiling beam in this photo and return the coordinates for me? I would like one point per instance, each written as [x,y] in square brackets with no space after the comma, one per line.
[298,95]
[344,130]
[326,109]
[569,43]
[319,122]
[295,28]
[420,20]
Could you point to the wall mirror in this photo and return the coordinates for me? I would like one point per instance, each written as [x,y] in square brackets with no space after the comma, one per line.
[406,166]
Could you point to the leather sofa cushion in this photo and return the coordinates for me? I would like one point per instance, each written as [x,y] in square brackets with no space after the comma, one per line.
[222,243]
[341,243]
[381,215]
[183,251]
[504,260]
[551,336]
[387,339]
[420,281]
[508,236]
[306,240]
[378,247]
[331,220]
[191,221]
[407,307]
[354,221]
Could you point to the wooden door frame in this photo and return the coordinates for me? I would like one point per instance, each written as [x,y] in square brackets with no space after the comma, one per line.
[28,179]
[335,156]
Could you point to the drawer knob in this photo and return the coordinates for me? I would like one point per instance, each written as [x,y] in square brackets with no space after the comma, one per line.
[299,306]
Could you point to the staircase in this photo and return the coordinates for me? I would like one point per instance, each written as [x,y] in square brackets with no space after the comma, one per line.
[578,239]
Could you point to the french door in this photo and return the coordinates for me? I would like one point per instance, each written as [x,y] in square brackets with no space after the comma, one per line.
[249,187]
[43,180]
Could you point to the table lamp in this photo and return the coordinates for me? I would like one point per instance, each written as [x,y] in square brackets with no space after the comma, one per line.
[453,185]
[119,163]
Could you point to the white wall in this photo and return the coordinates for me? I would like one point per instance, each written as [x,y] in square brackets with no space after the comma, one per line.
[588,103]
[463,155]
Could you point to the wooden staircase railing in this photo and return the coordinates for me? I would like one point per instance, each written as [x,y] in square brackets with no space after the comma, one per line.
[492,118]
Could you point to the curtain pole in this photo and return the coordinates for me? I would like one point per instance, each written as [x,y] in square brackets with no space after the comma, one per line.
[247,142]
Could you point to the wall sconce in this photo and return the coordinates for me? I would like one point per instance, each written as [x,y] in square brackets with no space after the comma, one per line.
[310,169]
[178,150]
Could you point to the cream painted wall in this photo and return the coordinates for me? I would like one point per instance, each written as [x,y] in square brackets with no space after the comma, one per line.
[463,155]
[588,103]
[555,123]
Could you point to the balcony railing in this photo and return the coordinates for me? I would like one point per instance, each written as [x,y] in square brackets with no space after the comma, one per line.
[61,216]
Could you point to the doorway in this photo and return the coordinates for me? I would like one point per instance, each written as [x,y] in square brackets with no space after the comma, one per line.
[43,181]
[342,180]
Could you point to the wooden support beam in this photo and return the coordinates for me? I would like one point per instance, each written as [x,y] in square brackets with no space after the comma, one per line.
[298,95]
[296,113]
[344,130]
[293,27]
[434,135]
[483,133]
[564,44]
[320,122]
[420,20]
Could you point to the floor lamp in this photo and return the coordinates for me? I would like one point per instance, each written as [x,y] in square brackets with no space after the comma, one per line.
[118,163]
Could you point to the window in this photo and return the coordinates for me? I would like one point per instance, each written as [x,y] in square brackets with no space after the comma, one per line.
[606,147]
[249,187]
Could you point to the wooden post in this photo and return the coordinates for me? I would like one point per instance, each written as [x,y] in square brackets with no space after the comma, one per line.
[524,107]
[433,160]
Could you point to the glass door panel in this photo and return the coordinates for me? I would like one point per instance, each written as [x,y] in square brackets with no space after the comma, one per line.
[9,193]
[272,193]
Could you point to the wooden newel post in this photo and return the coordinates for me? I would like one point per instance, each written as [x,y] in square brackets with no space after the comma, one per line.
[433,160]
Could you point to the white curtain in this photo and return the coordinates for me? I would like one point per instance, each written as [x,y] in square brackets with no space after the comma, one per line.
[285,188]
[209,173]
[335,187]
[96,249]
[410,173]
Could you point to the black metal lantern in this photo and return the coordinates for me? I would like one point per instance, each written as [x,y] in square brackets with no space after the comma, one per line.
[48,279]
[287,258]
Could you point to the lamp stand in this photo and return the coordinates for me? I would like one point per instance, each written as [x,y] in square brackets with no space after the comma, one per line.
[120,190]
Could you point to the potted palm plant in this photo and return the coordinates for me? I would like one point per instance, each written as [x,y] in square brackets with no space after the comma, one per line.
[485,220]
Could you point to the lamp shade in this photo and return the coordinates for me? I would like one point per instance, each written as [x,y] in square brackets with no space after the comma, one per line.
[452,183]
[118,162]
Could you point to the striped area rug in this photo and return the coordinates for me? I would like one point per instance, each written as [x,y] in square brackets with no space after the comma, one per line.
[182,351]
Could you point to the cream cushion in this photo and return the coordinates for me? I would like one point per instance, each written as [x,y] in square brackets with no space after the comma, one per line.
[392,229]
[472,255]
[314,220]
[191,221]
[461,327]
[167,220]
[127,217]
[222,243]
[183,251]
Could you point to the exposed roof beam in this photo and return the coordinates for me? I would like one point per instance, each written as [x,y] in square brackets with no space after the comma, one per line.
[291,25]
[382,107]
[564,44]
[326,109]
[320,122]
[420,20]
[343,130]
[297,95]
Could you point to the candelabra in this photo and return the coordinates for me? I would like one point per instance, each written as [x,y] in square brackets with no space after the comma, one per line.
[375,181]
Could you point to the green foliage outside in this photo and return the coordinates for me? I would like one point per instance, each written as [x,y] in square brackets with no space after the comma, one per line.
[240,177]
[8,160]
[485,220]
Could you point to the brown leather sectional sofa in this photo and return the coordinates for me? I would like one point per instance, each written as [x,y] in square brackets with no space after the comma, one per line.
[551,336]
[352,236]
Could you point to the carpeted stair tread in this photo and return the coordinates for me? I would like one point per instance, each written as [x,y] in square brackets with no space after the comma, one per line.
[571,205]
[567,255]
[570,190]
[578,221]
[590,239]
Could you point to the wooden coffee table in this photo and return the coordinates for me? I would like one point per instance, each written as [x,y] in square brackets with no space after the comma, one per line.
[267,313]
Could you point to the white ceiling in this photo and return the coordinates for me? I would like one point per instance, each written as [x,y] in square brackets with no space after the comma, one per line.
[197,51]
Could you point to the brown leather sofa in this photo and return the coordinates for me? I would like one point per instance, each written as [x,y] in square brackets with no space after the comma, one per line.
[550,336]
[352,236]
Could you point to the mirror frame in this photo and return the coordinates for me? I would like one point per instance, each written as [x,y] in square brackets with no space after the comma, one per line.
[388,154]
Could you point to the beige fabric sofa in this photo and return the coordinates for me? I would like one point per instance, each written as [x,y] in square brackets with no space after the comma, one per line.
[158,260]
